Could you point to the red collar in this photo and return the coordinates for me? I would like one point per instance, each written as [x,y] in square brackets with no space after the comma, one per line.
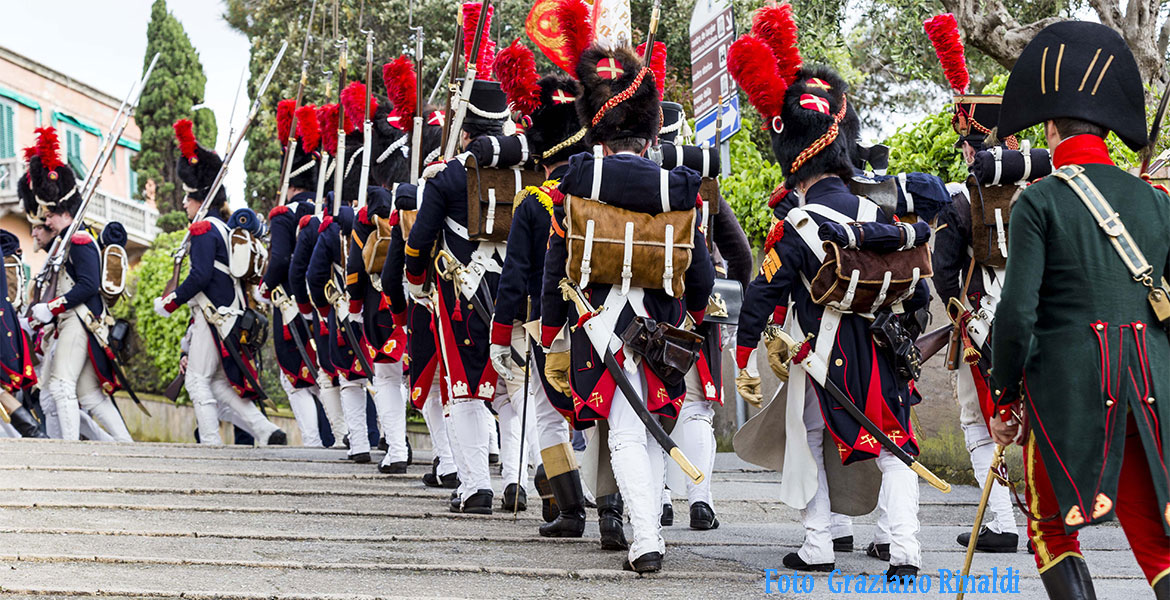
[1083,149]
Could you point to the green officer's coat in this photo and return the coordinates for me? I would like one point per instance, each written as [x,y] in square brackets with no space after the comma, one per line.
[1076,340]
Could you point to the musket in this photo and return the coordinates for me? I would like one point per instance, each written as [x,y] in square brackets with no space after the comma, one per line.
[367,125]
[217,183]
[932,342]
[339,158]
[992,475]
[290,143]
[1155,130]
[416,132]
[442,76]
[468,80]
[45,284]
[235,104]
[648,53]
[452,85]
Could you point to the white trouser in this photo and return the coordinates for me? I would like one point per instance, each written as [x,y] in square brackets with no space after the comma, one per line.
[551,425]
[637,462]
[472,425]
[304,409]
[898,501]
[982,450]
[330,397]
[49,408]
[99,406]
[353,404]
[489,422]
[212,395]
[72,378]
[695,436]
[510,406]
[391,405]
[432,412]
[87,428]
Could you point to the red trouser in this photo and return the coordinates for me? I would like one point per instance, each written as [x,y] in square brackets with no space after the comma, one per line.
[1136,509]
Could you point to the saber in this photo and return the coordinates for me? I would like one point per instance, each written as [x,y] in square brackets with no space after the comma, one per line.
[289,144]
[601,340]
[234,354]
[992,476]
[464,96]
[523,421]
[454,272]
[285,305]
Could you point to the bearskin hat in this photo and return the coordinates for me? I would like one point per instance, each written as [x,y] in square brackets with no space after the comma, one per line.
[619,97]
[48,186]
[197,166]
[306,152]
[819,130]
[554,133]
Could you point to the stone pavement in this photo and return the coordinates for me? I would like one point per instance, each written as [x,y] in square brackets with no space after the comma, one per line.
[80,519]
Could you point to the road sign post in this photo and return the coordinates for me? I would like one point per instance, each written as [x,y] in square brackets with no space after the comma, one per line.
[714,92]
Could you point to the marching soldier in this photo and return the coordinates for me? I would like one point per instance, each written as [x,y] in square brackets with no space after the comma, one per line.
[294,348]
[78,371]
[1085,285]
[15,354]
[621,103]
[813,133]
[220,376]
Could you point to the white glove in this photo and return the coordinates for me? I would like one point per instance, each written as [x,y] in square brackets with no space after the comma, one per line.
[160,308]
[417,294]
[502,361]
[258,296]
[42,313]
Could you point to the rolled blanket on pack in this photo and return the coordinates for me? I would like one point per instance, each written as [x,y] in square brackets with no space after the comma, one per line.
[113,234]
[10,244]
[1000,166]
[876,237]
[703,160]
[501,151]
[245,218]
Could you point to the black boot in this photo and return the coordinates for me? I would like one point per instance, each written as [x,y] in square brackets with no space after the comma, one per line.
[878,551]
[515,498]
[480,503]
[609,521]
[793,561]
[409,452]
[990,541]
[1162,588]
[703,517]
[570,499]
[548,502]
[667,518]
[650,562]
[1069,580]
[843,544]
[901,573]
[26,424]
[278,438]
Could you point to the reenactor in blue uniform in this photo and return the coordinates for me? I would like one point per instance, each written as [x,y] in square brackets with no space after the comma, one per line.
[1086,287]
[16,367]
[78,374]
[620,102]
[221,386]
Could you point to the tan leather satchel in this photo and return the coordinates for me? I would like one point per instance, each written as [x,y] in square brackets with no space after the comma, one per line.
[491,194]
[864,281]
[991,207]
[406,219]
[615,246]
[377,245]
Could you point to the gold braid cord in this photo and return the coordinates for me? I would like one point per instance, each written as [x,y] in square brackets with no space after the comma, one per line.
[621,97]
[573,139]
[822,142]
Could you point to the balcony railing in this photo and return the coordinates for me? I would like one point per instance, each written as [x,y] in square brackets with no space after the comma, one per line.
[138,219]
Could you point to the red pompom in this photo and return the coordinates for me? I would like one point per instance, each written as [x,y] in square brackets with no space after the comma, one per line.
[775,235]
[754,67]
[277,211]
[353,98]
[185,134]
[200,227]
[327,121]
[308,129]
[305,220]
[943,31]
[325,224]
[81,239]
[516,70]
[657,65]
[776,26]
[486,49]
[48,148]
[284,116]
[402,90]
[364,216]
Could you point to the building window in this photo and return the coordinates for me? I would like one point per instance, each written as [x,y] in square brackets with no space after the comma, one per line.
[7,130]
[132,175]
[73,151]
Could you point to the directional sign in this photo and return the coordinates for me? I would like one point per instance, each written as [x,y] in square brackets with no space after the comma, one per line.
[705,124]
[712,31]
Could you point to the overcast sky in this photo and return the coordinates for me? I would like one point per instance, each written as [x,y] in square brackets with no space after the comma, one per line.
[102,44]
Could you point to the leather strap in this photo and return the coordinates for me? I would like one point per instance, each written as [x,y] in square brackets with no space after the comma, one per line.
[1109,221]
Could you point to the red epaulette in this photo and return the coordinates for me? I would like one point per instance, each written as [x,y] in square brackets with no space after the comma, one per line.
[325,224]
[200,228]
[81,239]
[305,221]
[775,235]
[394,218]
[277,211]
[558,197]
[364,216]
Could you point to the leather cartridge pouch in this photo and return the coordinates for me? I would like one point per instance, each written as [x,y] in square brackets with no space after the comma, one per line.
[991,207]
[864,281]
[669,351]
[491,194]
[726,302]
[251,330]
[615,246]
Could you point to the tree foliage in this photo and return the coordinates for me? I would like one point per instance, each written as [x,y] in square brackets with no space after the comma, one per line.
[175,86]
[752,179]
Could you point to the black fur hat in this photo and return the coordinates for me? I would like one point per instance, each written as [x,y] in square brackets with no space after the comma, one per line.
[806,144]
[486,102]
[49,185]
[197,166]
[672,122]
[306,153]
[609,75]
[555,122]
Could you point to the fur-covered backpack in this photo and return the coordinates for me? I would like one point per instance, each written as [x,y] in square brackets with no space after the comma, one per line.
[247,254]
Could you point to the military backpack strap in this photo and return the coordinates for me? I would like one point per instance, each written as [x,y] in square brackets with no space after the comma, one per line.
[1110,222]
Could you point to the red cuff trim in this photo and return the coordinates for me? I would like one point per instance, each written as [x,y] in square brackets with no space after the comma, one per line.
[400,319]
[416,279]
[742,354]
[57,305]
[305,307]
[548,333]
[697,315]
[323,311]
[501,334]
[779,315]
[355,306]
[172,306]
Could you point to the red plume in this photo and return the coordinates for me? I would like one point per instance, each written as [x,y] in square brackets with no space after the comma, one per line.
[308,129]
[185,134]
[943,32]
[402,89]
[353,98]
[483,62]
[284,115]
[754,67]
[30,152]
[48,148]
[516,70]
[327,121]
[657,65]
[775,25]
